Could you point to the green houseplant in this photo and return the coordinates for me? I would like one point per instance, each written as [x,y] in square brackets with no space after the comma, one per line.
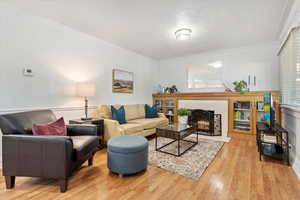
[171,90]
[183,114]
[240,86]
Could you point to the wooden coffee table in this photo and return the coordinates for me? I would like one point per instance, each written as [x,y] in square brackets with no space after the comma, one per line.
[176,132]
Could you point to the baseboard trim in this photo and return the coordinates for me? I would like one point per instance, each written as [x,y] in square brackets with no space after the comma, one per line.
[216,138]
[296,167]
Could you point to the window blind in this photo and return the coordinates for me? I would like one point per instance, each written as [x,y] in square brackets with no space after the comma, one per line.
[290,69]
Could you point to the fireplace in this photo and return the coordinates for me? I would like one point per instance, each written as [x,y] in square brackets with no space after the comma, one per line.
[207,122]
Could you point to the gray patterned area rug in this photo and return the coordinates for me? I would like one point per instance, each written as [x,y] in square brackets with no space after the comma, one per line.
[192,164]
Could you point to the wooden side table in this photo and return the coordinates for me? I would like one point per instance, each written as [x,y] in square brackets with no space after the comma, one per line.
[100,128]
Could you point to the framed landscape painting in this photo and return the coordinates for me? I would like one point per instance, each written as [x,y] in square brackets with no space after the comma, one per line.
[122,81]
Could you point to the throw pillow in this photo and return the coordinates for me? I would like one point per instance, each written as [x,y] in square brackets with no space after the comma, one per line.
[151,112]
[118,114]
[57,127]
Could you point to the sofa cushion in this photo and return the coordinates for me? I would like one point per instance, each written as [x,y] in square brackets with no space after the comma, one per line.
[103,112]
[151,112]
[83,145]
[57,127]
[127,144]
[132,111]
[145,123]
[147,132]
[118,114]
[21,123]
[131,128]
[149,123]
[142,113]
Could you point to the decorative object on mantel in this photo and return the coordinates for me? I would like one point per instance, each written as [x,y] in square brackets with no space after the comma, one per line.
[122,81]
[227,89]
[86,90]
[192,164]
[171,90]
[160,89]
[241,86]
[183,114]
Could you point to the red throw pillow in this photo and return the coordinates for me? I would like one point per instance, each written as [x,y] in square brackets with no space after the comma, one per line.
[57,127]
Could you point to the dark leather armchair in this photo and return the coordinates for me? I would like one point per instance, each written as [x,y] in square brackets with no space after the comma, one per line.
[54,157]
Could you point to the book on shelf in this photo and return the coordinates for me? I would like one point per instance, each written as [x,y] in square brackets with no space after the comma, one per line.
[269,138]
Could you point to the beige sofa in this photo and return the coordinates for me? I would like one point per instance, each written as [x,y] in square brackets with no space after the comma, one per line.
[136,124]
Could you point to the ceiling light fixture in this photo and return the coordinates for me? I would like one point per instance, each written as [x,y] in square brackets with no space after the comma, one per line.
[217,64]
[183,34]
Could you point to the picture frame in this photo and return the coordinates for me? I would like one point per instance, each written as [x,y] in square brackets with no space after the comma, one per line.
[122,81]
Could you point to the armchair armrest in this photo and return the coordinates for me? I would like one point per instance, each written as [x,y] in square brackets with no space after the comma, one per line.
[81,129]
[112,129]
[37,156]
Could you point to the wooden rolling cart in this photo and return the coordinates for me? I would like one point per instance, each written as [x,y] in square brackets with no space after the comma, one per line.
[273,142]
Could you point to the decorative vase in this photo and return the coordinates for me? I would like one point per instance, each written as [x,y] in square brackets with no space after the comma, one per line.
[159,89]
[183,119]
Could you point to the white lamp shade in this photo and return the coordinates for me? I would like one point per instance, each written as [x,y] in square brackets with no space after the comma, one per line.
[86,89]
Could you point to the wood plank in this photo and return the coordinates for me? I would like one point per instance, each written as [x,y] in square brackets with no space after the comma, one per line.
[216,94]
[235,173]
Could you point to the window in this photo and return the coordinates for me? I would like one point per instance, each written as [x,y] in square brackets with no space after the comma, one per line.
[290,69]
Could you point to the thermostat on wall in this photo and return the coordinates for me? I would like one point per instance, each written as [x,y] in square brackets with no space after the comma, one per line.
[27,72]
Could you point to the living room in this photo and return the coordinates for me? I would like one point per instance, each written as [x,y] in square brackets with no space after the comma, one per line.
[213,76]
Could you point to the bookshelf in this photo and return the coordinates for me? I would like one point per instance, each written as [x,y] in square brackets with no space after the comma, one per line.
[243,109]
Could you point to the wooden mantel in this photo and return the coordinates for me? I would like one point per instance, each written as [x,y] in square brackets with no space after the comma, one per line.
[216,95]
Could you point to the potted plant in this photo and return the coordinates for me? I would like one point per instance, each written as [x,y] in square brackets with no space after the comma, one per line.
[183,114]
[240,86]
[171,90]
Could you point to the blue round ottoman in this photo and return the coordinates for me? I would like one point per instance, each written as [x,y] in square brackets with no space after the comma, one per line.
[127,154]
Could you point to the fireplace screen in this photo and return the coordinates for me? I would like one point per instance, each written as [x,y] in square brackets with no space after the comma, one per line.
[207,122]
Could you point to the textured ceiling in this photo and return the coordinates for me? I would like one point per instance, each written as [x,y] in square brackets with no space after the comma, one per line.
[147,26]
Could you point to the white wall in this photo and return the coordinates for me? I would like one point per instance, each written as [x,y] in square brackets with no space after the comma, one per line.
[238,63]
[59,57]
[291,114]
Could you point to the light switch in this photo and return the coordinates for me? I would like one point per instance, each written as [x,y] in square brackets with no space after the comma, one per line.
[27,72]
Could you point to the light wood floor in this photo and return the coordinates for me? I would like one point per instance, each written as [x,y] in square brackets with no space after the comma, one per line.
[236,173]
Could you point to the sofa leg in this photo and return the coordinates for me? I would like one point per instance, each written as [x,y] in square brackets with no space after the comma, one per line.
[63,185]
[91,161]
[10,182]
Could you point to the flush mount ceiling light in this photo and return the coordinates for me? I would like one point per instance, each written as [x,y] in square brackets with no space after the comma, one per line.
[217,64]
[183,34]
